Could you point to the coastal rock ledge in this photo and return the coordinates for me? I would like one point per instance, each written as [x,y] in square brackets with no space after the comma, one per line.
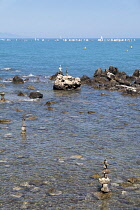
[66,82]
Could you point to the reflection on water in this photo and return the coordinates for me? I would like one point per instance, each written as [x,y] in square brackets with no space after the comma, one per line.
[64,146]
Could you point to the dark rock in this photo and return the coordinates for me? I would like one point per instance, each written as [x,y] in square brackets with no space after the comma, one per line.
[137,81]
[91,112]
[36,94]
[136,73]
[17,80]
[102,195]
[113,70]
[98,72]
[49,103]
[21,94]
[5,121]
[85,79]
[53,77]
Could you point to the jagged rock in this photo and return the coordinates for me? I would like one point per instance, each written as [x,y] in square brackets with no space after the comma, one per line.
[113,70]
[137,81]
[36,94]
[53,77]
[136,73]
[66,82]
[17,80]
[98,72]
[86,79]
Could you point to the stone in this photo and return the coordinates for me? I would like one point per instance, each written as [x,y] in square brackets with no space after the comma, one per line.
[21,94]
[134,180]
[5,121]
[66,83]
[17,80]
[102,195]
[113,70]
[76,157]
[98,72]
[95,176]
[36,94]
[91,112]
[54,192]
[49,103]
[137,81]
[126,184]
[31,87]
[136,73]
[53,77]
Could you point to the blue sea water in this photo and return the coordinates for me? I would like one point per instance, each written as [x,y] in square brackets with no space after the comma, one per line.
[44,57]
[64,145]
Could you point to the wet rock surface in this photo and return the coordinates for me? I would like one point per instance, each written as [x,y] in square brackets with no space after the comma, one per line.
[113,79]
[17,80]
[36,94]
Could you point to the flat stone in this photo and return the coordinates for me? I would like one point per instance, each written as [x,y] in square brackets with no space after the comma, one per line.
[54,192]
[134,180]
[5,121]
[95,176]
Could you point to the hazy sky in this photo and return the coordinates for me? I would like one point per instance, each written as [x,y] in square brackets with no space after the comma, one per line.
[70,18]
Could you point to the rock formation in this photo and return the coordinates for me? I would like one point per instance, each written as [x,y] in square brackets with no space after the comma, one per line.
[17,80]
[36,94]
[113,79]
[66,82]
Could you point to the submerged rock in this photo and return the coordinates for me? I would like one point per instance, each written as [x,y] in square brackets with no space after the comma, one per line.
[5,121]
[54,192]
[134,180]
[66,83]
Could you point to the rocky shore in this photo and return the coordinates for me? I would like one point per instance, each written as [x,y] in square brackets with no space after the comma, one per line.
[112,79]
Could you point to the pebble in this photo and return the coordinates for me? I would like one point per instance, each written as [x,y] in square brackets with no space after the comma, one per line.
[79,164]
[124,192]
[18,195]
[26,184]
[54,192]
[114,184]
[17,188]
[95,176]
[76,157]
[25,205]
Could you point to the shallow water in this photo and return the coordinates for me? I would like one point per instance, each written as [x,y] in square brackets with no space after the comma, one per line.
[65,145]
[43,159]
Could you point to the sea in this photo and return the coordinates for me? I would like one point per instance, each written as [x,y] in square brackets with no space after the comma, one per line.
[57,163]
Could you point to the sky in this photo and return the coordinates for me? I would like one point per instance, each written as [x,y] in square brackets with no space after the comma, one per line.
[70,18]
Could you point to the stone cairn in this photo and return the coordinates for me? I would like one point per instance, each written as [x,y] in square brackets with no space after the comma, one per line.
[105,180]
[23,128]
[2,97]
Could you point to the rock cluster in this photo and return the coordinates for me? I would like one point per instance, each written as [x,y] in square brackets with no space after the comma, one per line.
[113,79]
[66,82]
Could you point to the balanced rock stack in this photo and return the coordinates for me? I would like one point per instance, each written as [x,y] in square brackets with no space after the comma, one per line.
[23,128]
[2,97]
[105,180]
